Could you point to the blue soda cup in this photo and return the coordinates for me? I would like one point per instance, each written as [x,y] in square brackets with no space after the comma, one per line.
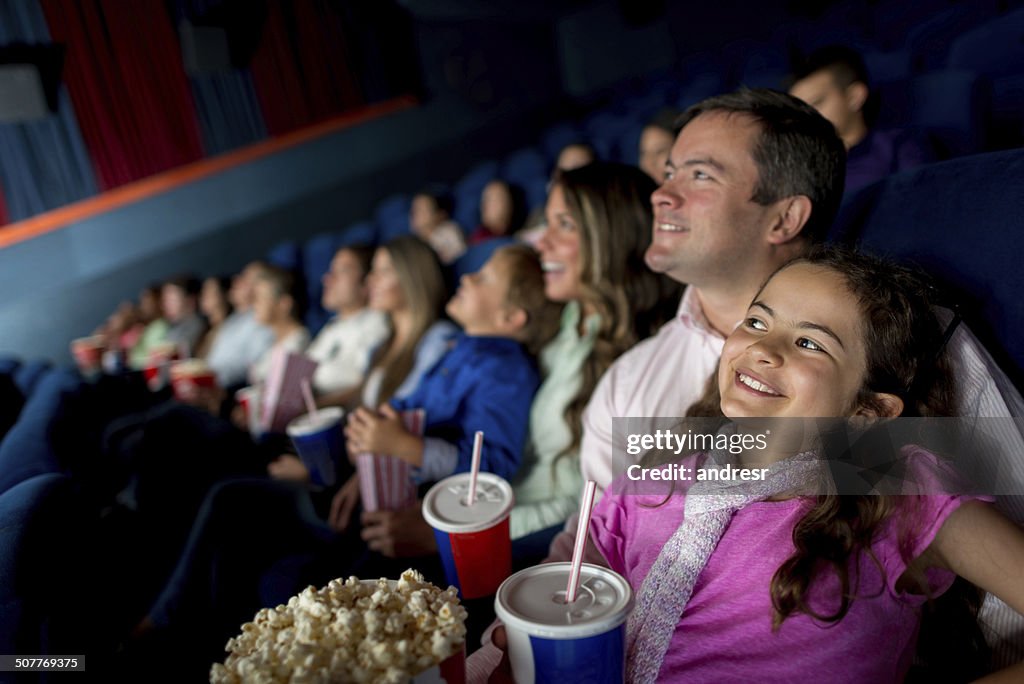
[552,641]
[317,438]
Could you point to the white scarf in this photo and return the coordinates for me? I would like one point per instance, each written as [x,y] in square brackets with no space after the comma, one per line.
[710,505]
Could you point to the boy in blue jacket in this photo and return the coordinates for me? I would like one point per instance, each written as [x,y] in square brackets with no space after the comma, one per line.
[486,382]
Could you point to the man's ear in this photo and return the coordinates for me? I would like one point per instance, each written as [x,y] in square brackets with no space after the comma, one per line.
[792,216]
[856,95]
[883,406]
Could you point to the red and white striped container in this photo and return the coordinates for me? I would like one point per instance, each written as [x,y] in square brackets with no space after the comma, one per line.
[385,482]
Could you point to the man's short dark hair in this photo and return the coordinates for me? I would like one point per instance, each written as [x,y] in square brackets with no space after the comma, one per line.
[363,255]
[797,152]
[845,64]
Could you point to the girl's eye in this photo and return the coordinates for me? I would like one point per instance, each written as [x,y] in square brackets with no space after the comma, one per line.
[566,225]
[808,344]
[755,324]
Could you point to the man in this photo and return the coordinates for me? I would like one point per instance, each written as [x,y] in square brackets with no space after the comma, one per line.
[834,81]
[343,348]
[241,340]
[753,178]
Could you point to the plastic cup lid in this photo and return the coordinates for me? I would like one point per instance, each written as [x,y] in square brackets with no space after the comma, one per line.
[533,601]
[445,504]
[308,424]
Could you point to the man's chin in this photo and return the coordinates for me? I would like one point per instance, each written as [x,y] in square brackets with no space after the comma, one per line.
[658,259]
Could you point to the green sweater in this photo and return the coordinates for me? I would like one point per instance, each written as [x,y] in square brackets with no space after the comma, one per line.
[548,487]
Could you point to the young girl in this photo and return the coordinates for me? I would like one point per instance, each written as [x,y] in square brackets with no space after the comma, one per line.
[766,585]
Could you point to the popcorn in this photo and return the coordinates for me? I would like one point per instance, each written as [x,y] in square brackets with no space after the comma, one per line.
[349,631]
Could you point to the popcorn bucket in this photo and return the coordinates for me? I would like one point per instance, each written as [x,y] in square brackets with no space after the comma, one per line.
[324,634]
[317,438]
[385,482]
[552,641]
[473,541]
[157,369]
[188,377]
[452,670]
[88,354]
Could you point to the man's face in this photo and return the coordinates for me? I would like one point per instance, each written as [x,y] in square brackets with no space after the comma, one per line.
[839,105]
[343,283]
[706,227]
[241,293]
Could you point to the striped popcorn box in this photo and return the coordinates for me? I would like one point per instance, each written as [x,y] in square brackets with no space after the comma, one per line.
[385,482]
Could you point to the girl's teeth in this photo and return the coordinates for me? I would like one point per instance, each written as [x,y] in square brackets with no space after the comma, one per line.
[754,384]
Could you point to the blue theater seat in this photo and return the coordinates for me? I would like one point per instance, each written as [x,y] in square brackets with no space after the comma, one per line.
[9,364]
[285,255]
[961,220]
[527,168]
[27,450]
[557,137]
[11,402]
[27,375]
[359,233]
[468,190]
[603,129]
[40,541]
[392,217]
[996,50]
[317,253]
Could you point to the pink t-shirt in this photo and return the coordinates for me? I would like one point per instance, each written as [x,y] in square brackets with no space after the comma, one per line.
[725,633]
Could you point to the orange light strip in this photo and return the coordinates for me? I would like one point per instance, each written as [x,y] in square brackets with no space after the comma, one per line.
[169,180]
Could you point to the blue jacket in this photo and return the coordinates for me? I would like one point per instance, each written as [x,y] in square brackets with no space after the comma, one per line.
[483,383]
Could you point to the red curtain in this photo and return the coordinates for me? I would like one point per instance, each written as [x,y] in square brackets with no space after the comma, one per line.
[302,70]
[131,96]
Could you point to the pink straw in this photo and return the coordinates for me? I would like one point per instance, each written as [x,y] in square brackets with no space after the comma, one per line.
[474,470]
[581,541]
[307,395]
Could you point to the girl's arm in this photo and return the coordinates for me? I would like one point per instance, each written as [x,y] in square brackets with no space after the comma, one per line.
[985,548]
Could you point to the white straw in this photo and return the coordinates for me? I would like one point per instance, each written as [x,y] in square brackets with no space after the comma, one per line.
[307,395]
[582,531]
[474,470]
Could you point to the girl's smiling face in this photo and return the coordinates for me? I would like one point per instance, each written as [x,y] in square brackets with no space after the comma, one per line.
[799,352]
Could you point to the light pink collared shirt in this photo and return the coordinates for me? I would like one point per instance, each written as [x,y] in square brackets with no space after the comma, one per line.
[659,377]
